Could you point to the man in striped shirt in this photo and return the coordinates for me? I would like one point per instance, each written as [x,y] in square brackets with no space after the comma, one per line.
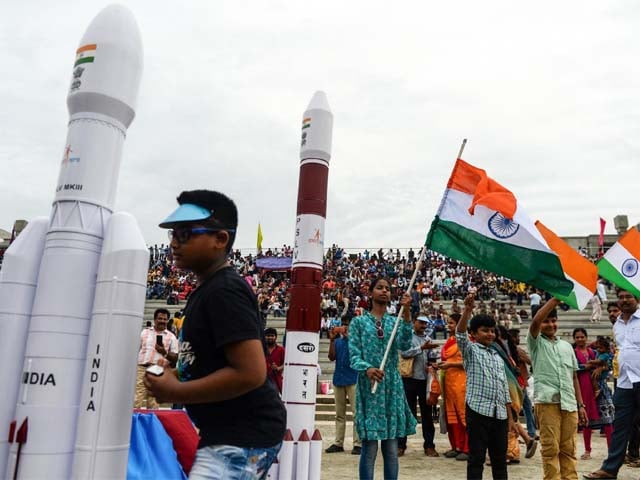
[487,396]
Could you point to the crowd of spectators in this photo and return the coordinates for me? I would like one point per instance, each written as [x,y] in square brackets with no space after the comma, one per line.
[346,280]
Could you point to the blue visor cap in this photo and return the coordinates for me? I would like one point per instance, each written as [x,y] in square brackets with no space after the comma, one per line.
[187,212]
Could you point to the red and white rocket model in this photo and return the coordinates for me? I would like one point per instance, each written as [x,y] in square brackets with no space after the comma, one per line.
[303,317]
[73,298]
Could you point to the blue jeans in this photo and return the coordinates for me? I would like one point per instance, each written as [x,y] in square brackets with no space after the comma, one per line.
[528,415]
[627,403]
[226,462]
[389,456]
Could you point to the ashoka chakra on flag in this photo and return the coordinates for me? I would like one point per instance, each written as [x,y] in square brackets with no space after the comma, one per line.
[501,226]
[630,267]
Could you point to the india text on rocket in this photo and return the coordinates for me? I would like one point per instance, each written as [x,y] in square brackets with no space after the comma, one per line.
[102,96]
[303,317]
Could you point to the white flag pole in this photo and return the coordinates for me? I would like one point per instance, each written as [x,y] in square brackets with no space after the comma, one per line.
[399,317]
[409,289]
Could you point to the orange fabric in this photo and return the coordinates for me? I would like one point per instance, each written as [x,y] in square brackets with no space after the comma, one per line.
[433,388]
[575,265]
[455,384]
[631,241]
[86,47]
[487,192]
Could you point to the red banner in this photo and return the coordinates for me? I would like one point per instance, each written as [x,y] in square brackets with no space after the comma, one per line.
[603,222]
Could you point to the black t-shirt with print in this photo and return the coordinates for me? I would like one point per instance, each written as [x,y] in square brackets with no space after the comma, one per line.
[221,311]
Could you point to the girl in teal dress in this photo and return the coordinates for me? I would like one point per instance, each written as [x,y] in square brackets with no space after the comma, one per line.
[384,415]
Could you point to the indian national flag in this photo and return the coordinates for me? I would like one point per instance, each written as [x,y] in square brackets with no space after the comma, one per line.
[480,223]
[582,273]
[85,54]
[620,264]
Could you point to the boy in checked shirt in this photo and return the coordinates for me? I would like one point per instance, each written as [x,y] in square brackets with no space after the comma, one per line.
[487,396]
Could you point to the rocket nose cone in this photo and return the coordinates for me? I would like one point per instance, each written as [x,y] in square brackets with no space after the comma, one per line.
[319,102]
[115,24]
[108,65]
[123,233]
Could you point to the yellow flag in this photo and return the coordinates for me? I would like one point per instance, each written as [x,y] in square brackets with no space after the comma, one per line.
[259,237]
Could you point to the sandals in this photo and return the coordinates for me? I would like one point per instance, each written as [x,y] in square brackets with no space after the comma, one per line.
[600,474]
[586,456]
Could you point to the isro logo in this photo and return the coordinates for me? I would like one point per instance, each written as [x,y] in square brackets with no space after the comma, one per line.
[67,158]
[306,347]
[316,238]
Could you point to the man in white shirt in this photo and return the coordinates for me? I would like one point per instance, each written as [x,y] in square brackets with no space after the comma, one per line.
[155,343]
[627,395]
[534,302]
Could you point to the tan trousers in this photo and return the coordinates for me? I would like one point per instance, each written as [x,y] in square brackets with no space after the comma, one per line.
[341,394]
[558,430]
[142,398]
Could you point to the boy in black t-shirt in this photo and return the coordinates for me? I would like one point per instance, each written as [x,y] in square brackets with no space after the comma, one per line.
[221,373]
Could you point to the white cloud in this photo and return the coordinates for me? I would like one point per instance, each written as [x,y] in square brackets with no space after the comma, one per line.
[546,93]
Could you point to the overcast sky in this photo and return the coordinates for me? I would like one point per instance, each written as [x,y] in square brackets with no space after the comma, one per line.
[548,94]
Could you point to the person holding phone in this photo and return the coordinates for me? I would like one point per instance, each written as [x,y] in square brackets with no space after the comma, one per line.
[155,344]
[221,373]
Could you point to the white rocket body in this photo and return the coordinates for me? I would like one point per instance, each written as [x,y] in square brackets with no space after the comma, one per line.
[303,318]
[104,426]
[101,103]
[18,280]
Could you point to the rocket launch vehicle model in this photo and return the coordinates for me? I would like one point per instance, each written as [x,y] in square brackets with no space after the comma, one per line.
[86,294]
[303,317]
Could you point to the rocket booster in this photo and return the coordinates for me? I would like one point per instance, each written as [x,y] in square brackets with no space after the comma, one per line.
[104,428]
[303,317]
[18,283]
[315,456]
[101,103]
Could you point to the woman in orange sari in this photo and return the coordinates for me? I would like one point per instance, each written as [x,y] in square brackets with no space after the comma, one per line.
[454,382]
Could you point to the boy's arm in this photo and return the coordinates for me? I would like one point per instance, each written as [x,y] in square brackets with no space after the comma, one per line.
[469,305]
[247,370]
[541,314]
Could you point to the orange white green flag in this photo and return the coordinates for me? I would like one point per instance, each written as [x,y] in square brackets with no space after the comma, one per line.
[480,222]
[578,269]
[620,264]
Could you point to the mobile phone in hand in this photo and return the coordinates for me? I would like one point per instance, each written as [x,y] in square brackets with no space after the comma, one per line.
[159,340]
[156,370]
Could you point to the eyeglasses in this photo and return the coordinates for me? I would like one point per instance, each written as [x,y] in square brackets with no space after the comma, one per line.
[183,235]
[379,329]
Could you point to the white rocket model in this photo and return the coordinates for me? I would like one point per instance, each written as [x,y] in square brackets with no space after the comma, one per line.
[101,102]
[303,317]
